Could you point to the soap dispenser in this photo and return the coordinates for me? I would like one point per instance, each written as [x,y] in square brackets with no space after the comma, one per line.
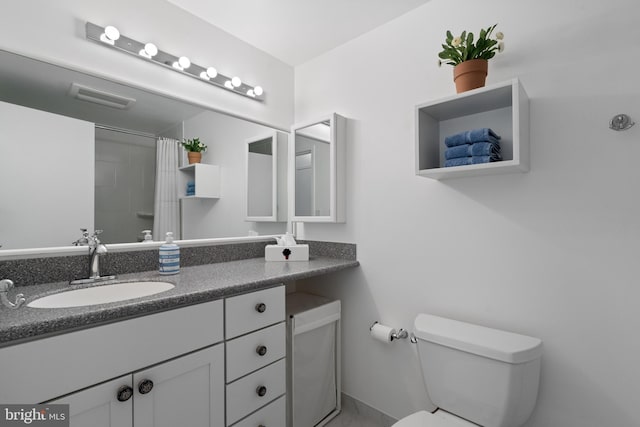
[169,256]
[148,238]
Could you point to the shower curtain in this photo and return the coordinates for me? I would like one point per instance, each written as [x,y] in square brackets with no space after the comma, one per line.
[166,204]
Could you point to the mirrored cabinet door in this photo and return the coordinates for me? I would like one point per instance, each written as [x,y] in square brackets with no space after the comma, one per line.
[266,178]
[317,170]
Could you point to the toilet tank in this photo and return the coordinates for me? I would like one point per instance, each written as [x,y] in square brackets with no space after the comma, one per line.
[487,376]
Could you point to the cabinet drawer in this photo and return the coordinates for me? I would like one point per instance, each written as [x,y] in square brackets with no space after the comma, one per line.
[272,415]
[255,310]
[251,352]
[243,397]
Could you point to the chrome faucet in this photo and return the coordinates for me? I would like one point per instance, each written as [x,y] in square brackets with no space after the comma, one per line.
[5,286]
[96,250]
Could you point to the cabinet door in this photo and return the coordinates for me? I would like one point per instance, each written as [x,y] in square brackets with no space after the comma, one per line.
[187,391]
[99,406]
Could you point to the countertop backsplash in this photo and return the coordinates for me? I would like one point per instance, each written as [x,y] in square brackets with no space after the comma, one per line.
[34,271]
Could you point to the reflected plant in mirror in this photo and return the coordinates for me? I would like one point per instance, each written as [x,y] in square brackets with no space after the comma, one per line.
[194,148]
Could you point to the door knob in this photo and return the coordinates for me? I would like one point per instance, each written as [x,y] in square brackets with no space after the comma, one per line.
[261,350]
[261,307]
[124,393]
[145,386]
[261,390]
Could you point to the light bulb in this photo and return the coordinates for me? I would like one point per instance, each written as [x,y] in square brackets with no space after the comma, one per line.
[112,33]
[236,82]
[204,75]
[228,84]
[250,93]
[177,66]
[258,90]
[107,40]
[151,49]
[184,62]
[212,72]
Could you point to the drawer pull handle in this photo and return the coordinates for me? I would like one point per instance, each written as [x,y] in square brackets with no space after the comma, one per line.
[261,391]
[261,350]
[124,393]
[261,307]
[145,386]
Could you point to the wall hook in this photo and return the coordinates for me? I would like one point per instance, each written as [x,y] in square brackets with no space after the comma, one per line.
[620,122]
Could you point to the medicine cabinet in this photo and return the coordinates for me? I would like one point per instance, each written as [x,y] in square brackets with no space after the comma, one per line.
[266,178]
[317,170]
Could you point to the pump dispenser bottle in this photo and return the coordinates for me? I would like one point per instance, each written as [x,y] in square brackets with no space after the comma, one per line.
[169,256]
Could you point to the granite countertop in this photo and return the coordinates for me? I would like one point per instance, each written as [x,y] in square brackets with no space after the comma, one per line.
[193,285]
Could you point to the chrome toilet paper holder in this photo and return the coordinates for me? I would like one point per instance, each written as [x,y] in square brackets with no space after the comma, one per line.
[400,334]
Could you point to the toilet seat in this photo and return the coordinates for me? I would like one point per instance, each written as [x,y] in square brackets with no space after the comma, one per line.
[439,418]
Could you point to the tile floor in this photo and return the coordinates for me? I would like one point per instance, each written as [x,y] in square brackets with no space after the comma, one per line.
[357,414]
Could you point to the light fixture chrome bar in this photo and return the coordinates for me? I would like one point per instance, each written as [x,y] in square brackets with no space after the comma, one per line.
[133,47]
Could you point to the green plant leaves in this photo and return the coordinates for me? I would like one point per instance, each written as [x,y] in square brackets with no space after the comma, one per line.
[484,48]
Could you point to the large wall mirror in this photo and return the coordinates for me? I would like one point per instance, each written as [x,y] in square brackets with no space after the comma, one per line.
[316,168]
[92,153]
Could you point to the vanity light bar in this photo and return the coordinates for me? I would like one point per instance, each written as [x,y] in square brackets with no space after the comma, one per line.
[110,36]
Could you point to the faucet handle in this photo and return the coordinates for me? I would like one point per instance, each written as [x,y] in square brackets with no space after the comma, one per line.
[5,285]
[93,239]
[84,240]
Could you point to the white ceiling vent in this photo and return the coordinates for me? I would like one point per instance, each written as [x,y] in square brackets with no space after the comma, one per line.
[96,96]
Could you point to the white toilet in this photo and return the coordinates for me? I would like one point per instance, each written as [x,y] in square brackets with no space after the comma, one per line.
[475,375]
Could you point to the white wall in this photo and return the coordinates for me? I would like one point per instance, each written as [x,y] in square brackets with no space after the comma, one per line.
[225,138]
[46,178]
[551,253]
[54,31]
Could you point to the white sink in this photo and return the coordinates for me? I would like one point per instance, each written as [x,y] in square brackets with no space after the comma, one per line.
[101,294]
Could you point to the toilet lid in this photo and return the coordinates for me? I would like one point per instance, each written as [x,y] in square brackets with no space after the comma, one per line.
[439,418]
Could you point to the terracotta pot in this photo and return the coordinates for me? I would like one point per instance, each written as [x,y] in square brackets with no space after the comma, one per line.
[470,74]
[194,157]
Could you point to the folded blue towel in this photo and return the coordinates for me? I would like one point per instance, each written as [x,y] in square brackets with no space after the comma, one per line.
[471,136]
[475,149]
[191,193]
[473,160]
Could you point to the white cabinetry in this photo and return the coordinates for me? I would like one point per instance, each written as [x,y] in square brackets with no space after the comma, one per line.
[169,367]
[206,179]
[503,107]
[99,406]
[256,349]
[185,391]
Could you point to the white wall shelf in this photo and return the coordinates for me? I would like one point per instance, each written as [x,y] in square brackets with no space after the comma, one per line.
[206,178]
[503,107]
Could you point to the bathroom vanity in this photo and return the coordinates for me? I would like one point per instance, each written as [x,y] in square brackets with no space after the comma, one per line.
[210,352]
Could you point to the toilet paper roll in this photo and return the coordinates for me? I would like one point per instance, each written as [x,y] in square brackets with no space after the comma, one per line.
[382,333]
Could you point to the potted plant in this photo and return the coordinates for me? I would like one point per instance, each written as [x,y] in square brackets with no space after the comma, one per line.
[470,57]
[194,149]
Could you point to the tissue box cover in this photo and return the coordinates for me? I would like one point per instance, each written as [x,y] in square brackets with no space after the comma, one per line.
[286,253]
